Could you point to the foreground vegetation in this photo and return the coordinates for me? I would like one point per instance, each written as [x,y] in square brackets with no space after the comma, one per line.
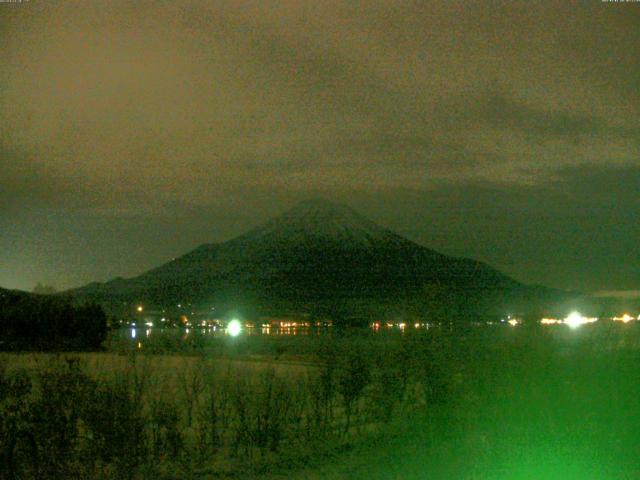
[554,404]
[193,416]
[485,403]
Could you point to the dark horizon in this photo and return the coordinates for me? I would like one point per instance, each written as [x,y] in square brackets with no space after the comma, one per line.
[134,132]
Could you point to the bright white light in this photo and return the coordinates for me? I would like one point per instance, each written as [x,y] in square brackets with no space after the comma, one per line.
[234,328]
[513,322]
[574,320]
[149,324]
[133,333]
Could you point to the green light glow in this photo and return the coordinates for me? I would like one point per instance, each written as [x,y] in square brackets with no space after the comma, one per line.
[234,328]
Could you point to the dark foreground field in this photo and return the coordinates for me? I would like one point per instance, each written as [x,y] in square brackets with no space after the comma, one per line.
[498,403]
[564,405]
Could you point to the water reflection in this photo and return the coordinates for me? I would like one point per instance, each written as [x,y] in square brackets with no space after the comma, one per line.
[266,329]
[611,333]
[134,333]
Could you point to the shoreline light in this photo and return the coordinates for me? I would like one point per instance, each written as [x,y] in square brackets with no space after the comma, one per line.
[626,318]
[575,319]
[550,321]
[234,328]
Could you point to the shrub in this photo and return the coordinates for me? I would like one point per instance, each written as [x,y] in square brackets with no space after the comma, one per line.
[353,376]
[18,450]
[63,390]
[116,426]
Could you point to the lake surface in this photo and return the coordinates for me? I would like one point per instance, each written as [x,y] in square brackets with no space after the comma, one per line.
[600,336]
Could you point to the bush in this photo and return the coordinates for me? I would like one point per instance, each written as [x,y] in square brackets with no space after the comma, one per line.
[353,376]
[18,449]
[116,427]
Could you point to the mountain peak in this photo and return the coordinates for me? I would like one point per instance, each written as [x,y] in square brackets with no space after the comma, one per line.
[318,218]
[321,208]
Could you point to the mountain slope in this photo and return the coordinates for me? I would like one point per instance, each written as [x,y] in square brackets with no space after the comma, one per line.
[324,258]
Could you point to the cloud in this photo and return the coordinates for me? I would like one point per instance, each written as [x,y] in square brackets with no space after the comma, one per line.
[628,294]
[518,116]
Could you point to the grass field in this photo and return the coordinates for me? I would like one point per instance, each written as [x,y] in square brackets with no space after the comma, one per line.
[505,403]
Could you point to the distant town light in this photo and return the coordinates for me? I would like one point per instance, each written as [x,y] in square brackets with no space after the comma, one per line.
[133,333]
[234,328]
[550,321]
[139,308]
[513,322]
[624,318]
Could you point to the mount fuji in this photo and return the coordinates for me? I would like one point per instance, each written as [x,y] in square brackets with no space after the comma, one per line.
[323,258]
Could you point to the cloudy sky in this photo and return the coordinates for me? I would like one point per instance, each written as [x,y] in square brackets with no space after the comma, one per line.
[133,131]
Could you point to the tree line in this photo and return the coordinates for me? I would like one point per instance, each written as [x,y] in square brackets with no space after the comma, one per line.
[42,322]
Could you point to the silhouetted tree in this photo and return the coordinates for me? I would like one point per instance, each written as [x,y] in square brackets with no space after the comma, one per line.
[34,322]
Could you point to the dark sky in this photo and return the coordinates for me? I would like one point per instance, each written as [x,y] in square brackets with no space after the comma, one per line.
[133,131]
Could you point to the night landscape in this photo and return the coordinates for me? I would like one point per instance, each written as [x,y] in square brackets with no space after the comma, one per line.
[319,240]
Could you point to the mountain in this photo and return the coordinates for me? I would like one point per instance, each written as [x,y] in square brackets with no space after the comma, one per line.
[323,258]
